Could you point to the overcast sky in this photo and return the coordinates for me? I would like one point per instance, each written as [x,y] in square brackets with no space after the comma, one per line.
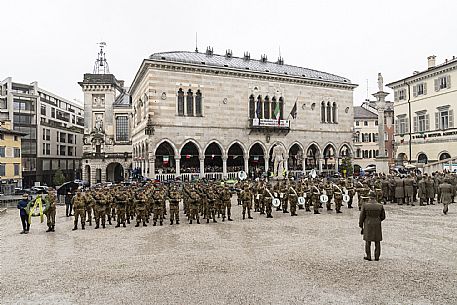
[55,42]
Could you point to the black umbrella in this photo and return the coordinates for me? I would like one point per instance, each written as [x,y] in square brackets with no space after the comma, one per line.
[67,187]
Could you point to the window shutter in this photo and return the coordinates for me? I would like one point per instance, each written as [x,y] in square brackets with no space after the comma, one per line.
[415,123]
[415,90]
[396,95]
[448,81]
[451,118]
[425,88]
[407,124]
[397,129]
[437,120]
[427,122]
[437,84]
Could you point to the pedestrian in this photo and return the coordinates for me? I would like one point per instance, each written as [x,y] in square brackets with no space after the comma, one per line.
[22,206]
[445,193]
[68,204]
[371,216]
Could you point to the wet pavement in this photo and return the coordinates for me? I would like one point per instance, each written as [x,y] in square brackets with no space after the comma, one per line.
[309,259]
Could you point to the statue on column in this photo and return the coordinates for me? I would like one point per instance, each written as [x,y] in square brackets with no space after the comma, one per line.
[278,157]
[380,82]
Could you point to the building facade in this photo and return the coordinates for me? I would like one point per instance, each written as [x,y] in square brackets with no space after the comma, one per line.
[107,138]
[207,115]
[366,137]
[10,159]
[53,127]
[424,106]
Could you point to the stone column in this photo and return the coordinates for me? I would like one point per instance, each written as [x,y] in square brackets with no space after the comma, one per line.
[224,167]
[202,167]
[178,165]
[304,165]
[152,167]
[336,164]
[321,161]
[266,157]
[246,164]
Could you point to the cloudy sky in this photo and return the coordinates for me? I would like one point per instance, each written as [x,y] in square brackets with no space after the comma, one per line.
[55,42]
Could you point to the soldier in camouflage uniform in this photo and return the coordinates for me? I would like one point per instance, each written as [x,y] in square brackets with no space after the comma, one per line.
[174,198]
[78,209]
[211,206]
[140,208]
[315,200]
[329,192]
[292,198]
[120,200]
[246,198]
[267,200]
[193,207]
[338,199]
[157,206]
[50,210]
[226,199]
[89,204]
[99,209]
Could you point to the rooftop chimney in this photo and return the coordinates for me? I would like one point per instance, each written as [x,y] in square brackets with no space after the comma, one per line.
[228,53]
[247,56]
[280,61]
[209,51]
[431,61]
[263,58]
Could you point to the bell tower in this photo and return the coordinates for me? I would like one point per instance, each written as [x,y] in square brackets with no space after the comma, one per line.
[102,91]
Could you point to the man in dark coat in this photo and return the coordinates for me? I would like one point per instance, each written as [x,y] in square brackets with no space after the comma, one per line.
[22,206]
[370,222]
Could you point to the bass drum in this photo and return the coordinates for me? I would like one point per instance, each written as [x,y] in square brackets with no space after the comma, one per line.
[276,202]
[301,201]
[323,198]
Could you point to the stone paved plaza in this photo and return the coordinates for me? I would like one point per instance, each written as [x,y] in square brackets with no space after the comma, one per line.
[309,259]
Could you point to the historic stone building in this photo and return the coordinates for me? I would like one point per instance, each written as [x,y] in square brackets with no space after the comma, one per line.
[107,149]
[207,115]
[424,114]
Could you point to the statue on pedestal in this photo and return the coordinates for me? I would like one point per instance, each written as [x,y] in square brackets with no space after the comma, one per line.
[380,82]
[278,157]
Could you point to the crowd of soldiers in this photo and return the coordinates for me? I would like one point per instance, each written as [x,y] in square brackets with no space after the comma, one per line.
[212,200]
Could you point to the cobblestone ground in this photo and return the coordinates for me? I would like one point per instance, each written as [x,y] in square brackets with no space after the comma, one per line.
[309,259]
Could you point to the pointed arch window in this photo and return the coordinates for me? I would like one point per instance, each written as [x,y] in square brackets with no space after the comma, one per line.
[198,103]
[190,103]
[334,113]
[180,102]
[273,107]
[259,107]
[281,108]
[251,107]
[266,108]
[329,113]
[323,112]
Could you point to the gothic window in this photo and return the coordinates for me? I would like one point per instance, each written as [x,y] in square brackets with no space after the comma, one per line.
[252,104]
[334,118]
[323,112]
[180,102]
[190,103]
[329,113]
[273,107]
[198,103]
[281,108]
[266,108]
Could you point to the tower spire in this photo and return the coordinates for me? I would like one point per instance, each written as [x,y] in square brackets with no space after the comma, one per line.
[196,42]
[101,65]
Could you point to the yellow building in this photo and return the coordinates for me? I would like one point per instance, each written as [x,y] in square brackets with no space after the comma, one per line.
[10,158]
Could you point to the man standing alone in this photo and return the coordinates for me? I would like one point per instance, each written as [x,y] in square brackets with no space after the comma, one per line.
[371,216]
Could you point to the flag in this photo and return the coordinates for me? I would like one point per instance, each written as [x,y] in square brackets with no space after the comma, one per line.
[277,113]
[165,159]
[293,113]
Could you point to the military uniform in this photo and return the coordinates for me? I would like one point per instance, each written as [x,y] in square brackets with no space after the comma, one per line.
[50,211]
[409,189]
[140,209]
[174,199]
[292,199]
[246,198]
[193,207]
[121,203]
[370,219]
[267,201]
[89,203]
[78,209]
[445,191]
[157,208]
[226,203]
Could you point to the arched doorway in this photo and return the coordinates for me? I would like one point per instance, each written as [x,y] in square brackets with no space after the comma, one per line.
[256,161]
[444,156]
[87,173]
[235,160]
[401,158]
[422,158]
[213,158]
[295,162]
[165,159]
[114,172]
[312,157]
[190,162]
[329,158]
[98,175]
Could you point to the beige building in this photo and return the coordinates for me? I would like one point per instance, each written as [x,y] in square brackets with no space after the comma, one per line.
[107,147]
[10,158]
[366,137]
[207,115]
[424,114]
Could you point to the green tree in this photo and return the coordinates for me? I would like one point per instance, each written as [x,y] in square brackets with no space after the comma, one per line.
[346,165]
[59,178]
